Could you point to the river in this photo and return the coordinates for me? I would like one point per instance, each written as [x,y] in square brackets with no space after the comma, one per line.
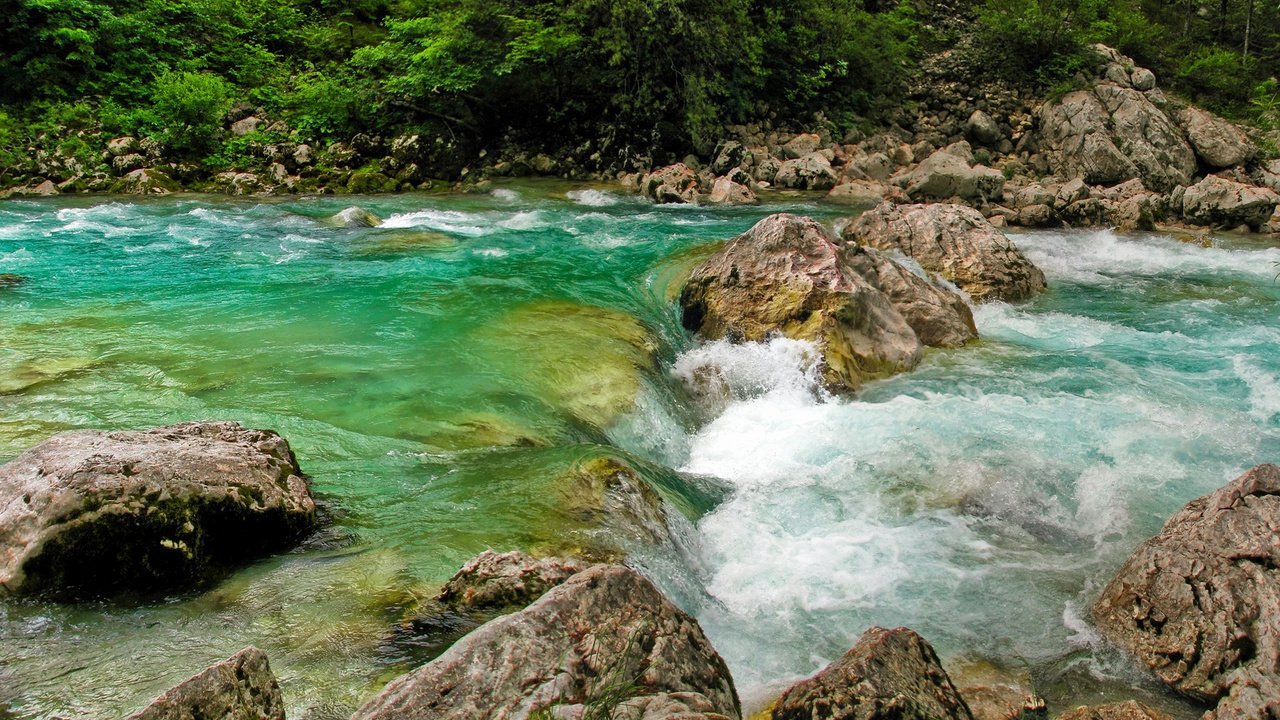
[435,374]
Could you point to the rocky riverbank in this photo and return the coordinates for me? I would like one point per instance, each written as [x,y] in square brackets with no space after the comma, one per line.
[1119,152]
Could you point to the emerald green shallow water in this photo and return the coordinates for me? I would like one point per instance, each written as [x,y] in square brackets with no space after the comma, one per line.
[437,374]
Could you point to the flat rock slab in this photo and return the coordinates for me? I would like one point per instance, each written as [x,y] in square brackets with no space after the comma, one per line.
[1199,603]
[604,640]
[241,687]
[888,675]
[90,513]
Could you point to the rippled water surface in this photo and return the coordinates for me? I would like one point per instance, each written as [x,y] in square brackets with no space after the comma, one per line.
[437,374]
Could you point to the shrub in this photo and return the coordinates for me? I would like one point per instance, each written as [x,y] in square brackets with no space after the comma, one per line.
[191,106]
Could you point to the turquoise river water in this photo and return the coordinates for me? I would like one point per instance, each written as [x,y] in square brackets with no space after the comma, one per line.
[436,374]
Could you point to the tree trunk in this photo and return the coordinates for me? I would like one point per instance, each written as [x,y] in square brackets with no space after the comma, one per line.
[1248,25]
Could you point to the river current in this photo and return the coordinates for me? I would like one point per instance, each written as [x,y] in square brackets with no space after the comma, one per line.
[436,373]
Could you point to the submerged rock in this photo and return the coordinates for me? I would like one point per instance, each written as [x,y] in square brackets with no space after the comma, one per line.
[242,687]
[1199,603]
[88,513]
[784,276]
[605,640]
[610,508]
[586,361]
[511,579]
[887,675]
[954,241]
[10,280]
[354,217]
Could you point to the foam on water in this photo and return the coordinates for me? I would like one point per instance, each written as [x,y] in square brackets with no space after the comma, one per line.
[593,198]
[1103,257]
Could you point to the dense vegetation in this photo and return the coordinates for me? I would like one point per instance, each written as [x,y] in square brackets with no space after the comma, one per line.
[630,75]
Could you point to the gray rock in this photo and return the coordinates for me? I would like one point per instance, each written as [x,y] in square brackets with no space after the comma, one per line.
[810,172]
[1226,203]
[1217,142]
[303,155]
[512,579]
[122,146]
[864,192]
[88,513]
[950,173]
[800,146]
[145,181]
[725,191]
[728,156]
[1199,604]
[677,183]
[784,276]
[954,241]
[241,687]
[1109,134]
[939,317]
[876,166]
[766,169]
[244,126]
[1142,79]
[603,640]
[887,675]
[125,163]
[982,129]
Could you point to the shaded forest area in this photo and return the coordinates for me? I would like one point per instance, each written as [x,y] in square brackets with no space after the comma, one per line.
[623,74]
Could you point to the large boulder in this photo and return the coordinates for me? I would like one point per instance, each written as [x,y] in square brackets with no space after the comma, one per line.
[241,687]
[1217,143]
[887,675]
[605,640]
[784,276]
[954,241]
[1199,603]
[939,317]
[354,217]
[87,513]
[512,579]
[1227,203]
[809,172]
[677,183]
[1109,134]
[951,172]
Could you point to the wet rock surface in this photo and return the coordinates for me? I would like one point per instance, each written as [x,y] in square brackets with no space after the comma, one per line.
[889,674]
[91,513]
[1199,604]
[511,579]
[241,687]
[605,639]
[784,276]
